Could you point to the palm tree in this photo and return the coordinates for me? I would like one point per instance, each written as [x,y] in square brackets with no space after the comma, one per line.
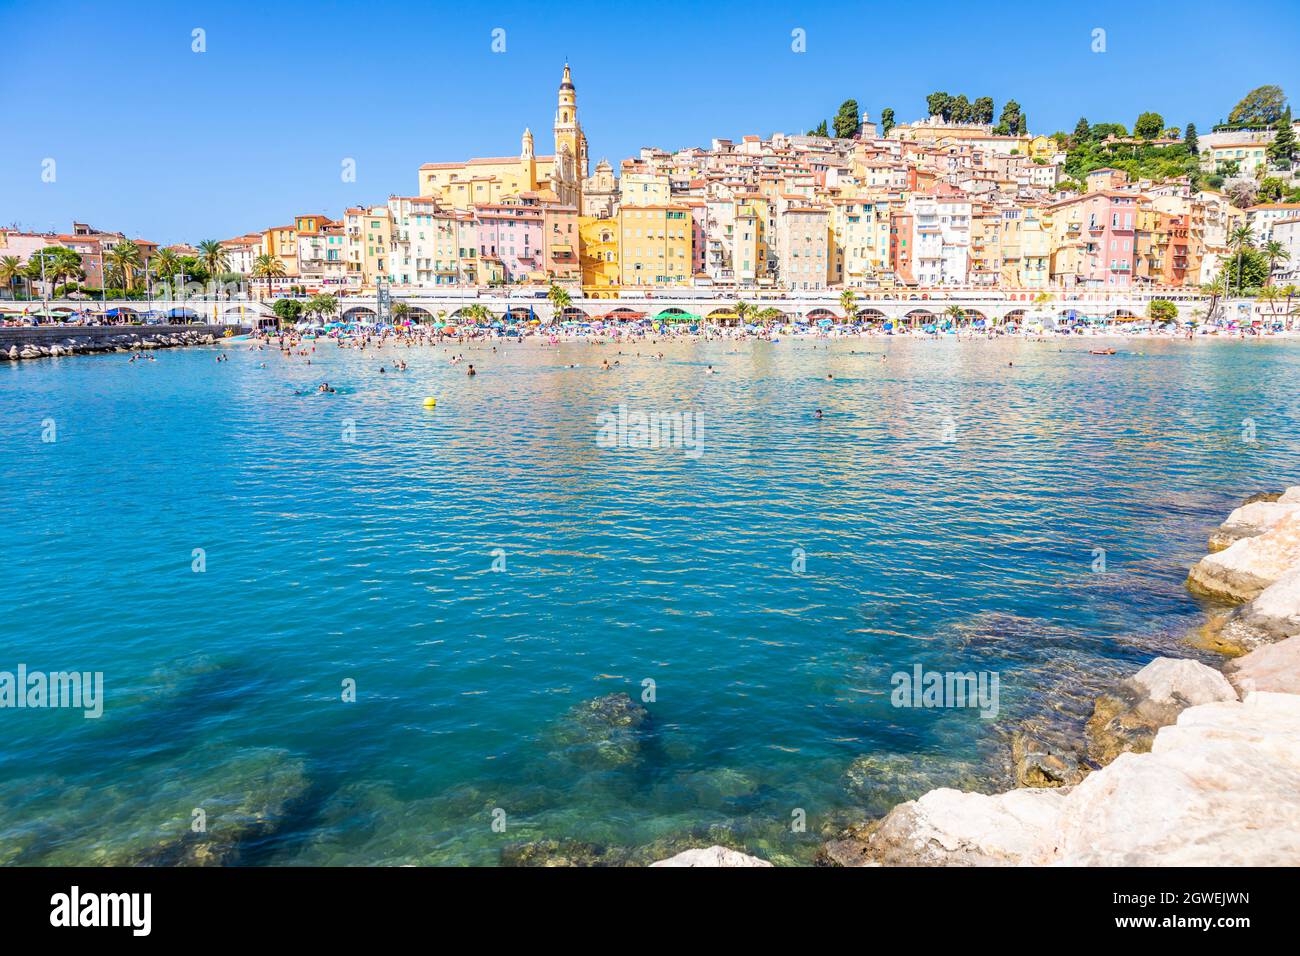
[1241,239]
[400,310]
[743,310]
[477,313]
[1269,294]
[956,313]
[125,259]
[1215,290]
[214,258]
[560,298]
[1290,291]
[849,303]
[1275,252]
[267,266]
[767,316]
[10,269]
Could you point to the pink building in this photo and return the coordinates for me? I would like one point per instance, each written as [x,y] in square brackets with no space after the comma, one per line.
[1096,234]
[511,233]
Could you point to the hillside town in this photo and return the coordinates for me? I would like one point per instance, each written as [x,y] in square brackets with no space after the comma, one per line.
[951,201]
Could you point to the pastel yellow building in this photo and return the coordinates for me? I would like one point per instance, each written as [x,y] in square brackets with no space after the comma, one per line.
[599,241]
[859,250]
[554,178]
[655,247]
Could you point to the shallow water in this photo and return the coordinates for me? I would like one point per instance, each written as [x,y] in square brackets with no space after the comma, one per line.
[948,507]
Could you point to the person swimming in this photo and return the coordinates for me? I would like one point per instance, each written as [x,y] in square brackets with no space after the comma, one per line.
[819,413]
[470,371]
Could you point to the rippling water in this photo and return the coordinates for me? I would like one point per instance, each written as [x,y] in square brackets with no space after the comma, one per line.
[949,507]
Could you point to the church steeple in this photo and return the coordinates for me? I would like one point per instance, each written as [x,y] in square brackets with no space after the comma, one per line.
[570,147]
[526,150]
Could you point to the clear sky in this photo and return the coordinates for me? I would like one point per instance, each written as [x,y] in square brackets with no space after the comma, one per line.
[167,144]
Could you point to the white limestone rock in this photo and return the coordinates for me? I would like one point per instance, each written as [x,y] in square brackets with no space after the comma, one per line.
[951,828]
[1217,789]
[1181,682]
[1291,495]
[1274,668]
[1240,572]
[1250,520]
[712,856]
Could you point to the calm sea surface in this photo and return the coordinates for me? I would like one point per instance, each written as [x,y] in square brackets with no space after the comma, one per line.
[949,509]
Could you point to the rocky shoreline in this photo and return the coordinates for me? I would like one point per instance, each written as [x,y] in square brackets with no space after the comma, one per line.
[104,340]
[1194,766]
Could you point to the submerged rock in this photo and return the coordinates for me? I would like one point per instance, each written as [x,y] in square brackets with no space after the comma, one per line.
[562,853]
[1127,721]
[245,797]
[1243,570]
[1039,763]
[712,856]
[883,780]
[607,732]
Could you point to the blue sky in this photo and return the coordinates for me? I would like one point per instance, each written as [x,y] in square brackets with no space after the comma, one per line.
[161,142]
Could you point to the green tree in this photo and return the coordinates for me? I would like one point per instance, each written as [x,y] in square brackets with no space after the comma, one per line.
[1082,133]
[819,130]
[1282,150]
[886,121]
[125,258]
[324,305]
[166,264]
[1262,106]
[1010,122]
[959,110]
[267,266]
[288,311]
[1149,126]
[939,104]
[214,257]
[59,263]
[982,110]
[849,302]
[847,119]
[11,269]
[1246,269]
[1162,310]
[560,299]
[1274,252]
[1189,137]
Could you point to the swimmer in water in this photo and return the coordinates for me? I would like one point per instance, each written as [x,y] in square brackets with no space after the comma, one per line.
[829,377]
[471,371]
[819,413]
[710,371]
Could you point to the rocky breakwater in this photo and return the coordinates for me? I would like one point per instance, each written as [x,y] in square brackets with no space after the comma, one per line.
[53,343]
[1196,766]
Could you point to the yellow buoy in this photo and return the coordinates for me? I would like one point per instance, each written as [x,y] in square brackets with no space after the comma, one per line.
[430,402]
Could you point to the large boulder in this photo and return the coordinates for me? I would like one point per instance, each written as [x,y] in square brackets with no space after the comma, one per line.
[1127,720]
[1273,667]
[712,856]
[1250,520]
[950,828]
[1218,789]
[1243,570]
[1273,616]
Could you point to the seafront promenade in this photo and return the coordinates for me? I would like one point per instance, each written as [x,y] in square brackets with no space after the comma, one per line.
[992,306]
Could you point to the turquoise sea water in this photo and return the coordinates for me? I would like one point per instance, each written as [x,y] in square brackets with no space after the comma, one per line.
[949,506]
